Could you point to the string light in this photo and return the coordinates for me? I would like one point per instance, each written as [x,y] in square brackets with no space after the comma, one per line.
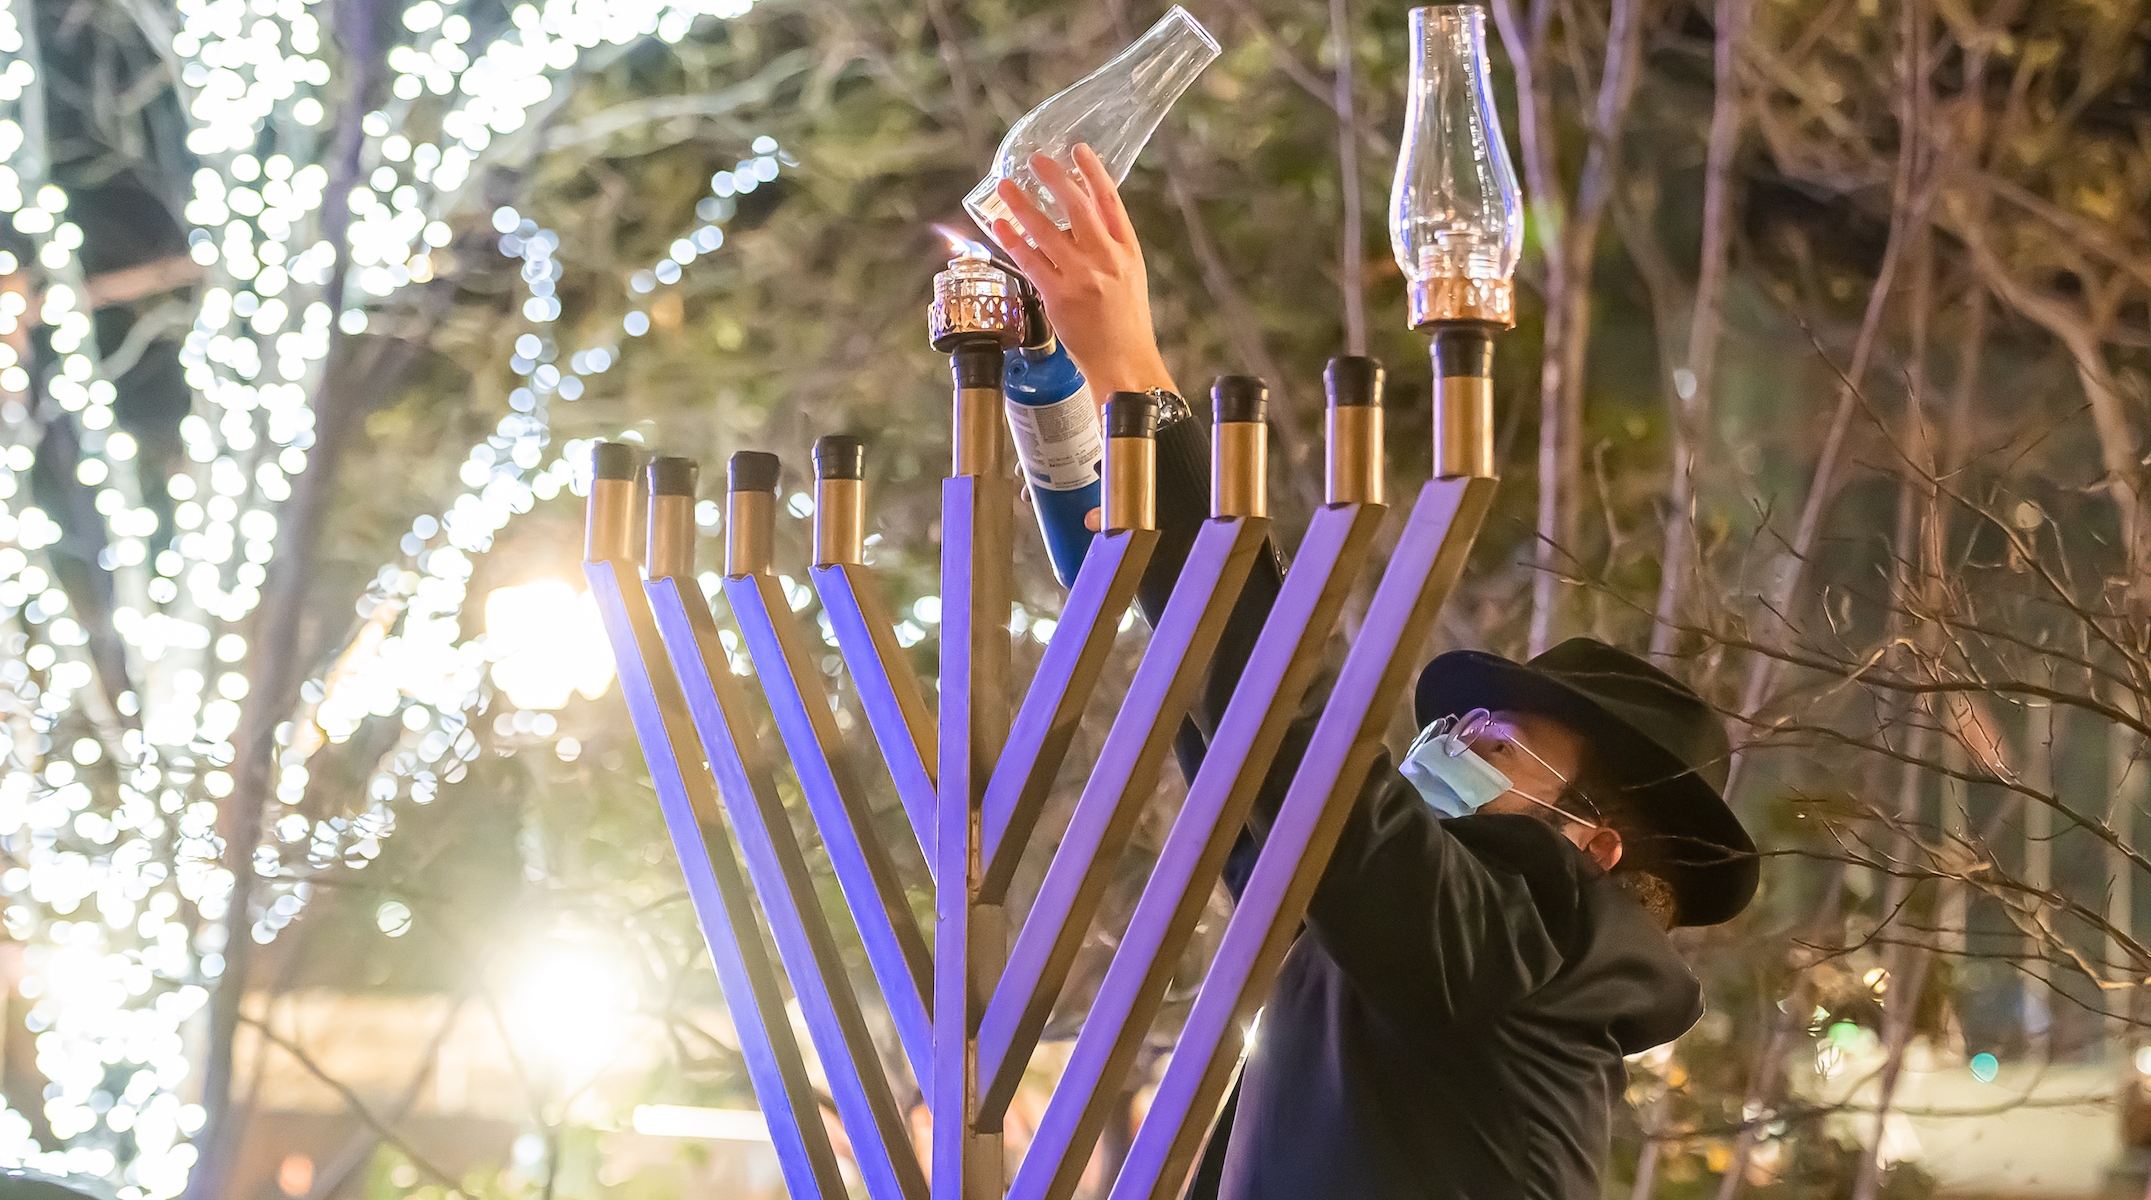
[108,812]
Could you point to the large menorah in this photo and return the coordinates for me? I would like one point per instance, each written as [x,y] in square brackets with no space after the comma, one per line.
[974,777]
[969,1011]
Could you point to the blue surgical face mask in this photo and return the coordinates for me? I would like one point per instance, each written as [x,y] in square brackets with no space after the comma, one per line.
[1450,776]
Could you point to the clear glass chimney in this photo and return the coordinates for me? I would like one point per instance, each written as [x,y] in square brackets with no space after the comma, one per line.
[1114,109]
[1456,216]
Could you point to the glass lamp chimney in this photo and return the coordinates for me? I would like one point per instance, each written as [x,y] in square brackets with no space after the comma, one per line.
[1114,109]
[1456,215]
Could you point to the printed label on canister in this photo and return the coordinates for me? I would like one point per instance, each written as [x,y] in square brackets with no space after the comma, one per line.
[1059,444]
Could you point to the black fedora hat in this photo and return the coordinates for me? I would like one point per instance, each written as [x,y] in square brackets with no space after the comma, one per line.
[1653,736]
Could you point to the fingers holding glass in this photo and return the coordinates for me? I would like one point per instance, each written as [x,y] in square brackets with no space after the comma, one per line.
[1032,225]
[1097,183]
[1085,229]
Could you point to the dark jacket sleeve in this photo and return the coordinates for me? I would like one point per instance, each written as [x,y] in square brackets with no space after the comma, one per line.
[1433,919]
[1429,917]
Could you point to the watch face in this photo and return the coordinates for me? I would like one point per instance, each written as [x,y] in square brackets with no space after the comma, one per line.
[1170,406]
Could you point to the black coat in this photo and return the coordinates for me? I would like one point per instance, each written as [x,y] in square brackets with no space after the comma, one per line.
[1452,1020]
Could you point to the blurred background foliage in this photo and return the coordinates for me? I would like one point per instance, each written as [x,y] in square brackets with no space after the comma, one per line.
[1985,167]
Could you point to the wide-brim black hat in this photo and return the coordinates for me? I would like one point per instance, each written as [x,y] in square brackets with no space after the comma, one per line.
[1651,734]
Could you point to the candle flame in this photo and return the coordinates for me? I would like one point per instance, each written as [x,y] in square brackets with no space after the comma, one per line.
[961,246]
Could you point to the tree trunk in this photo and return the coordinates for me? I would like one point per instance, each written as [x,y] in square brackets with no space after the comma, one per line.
[2043,728]
[1568,282]
[278,665]
[1911,198]
[1351,258]
[1917,548]
[1691,421]
[2125,790]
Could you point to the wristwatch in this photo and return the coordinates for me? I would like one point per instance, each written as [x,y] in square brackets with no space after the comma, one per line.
[1171,407]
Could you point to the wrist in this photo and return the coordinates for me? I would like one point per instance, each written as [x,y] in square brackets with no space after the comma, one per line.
[1129,374]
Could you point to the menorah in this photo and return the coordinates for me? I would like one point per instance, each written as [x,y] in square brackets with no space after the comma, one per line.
[973,782]
[973,777]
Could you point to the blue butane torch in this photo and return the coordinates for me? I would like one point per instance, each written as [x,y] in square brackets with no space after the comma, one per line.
[1058,442]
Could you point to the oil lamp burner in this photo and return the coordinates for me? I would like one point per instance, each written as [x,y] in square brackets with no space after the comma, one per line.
[977,314]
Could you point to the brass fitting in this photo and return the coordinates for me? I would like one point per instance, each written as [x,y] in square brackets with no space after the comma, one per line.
[1240,453]
[839,500]
[978,420]
[1355,476]
[1131,461]
[609,517]
[750,518]
[1455,298]
[1464,401]
[672,518]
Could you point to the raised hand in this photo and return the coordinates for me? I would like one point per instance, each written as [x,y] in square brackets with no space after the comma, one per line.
[1090,275]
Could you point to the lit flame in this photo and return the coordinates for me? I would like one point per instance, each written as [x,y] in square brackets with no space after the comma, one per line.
[961,246]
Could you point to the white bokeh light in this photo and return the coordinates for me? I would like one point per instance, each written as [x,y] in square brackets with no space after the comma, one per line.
[109,810]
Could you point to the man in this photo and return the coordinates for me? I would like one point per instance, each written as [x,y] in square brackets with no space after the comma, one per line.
[1490,937]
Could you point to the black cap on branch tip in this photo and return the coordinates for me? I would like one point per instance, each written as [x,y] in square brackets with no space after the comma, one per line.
[1239,398]
[977,363]
[1464,348]
[1353,381]
[673,476]
[612,460]
[1131,414]
[839,456]
[753,471]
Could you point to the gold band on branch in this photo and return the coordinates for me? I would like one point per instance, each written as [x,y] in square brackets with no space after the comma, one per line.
[839,521]
[1355,455]
[609,535]
[750,522]
[977,425]
[672,536]
[974,298]
[1463,427]
[1131,483]
[1239,472]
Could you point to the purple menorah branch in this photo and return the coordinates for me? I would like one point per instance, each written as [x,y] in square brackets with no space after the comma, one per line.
[686,795]
[1284,661]
[895,948]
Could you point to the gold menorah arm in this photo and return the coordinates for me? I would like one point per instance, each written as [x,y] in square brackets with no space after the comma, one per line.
[1421,574]
[876,1127]
[1164,688]
[724,908]
[895,947]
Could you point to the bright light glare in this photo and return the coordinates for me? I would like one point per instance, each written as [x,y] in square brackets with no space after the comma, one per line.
[547,642]
[715,1124]
[570,1007]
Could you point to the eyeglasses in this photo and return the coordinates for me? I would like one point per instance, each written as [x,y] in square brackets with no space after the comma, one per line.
[1459,731]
